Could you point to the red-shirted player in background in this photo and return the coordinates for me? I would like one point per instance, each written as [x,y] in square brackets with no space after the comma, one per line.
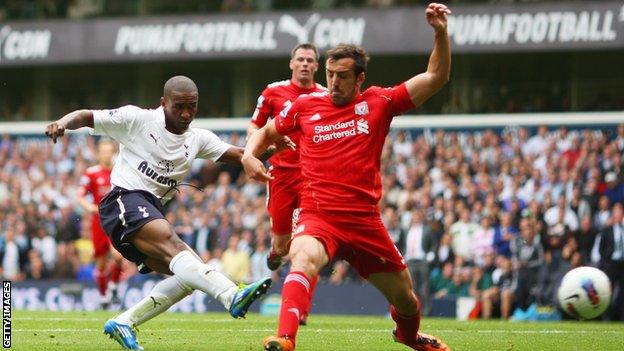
[283,190]
[343,132]
[96,181]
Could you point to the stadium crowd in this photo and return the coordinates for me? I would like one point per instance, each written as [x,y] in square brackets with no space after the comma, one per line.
[499,216]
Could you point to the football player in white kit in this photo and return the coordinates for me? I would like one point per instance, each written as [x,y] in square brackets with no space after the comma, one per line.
[156,152]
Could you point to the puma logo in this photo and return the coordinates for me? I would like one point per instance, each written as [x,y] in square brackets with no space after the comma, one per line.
[289,24]
[156,303]
[153,137]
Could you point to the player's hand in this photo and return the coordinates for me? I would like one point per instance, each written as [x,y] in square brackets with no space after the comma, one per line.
[437,16]
[255,169]
[54,130]
[93,209]
[284,143]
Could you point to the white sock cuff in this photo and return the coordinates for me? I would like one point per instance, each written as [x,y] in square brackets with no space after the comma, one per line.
[180,256]
[298,278]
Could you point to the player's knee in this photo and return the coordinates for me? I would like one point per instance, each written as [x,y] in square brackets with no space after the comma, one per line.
[304,262]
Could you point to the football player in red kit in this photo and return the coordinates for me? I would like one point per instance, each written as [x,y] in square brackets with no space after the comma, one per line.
[96,181]
[342,136]
[283,190]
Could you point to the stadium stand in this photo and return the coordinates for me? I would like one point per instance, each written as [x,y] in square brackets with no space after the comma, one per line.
[479,194]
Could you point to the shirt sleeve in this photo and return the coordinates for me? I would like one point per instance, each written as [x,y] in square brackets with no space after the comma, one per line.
[287,122]
[119,123]
[263,109]
[398,98]
[211,146]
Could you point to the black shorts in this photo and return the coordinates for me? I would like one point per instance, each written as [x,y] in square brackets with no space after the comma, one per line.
[123,212]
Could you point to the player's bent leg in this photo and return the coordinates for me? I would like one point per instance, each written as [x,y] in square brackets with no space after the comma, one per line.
[163,295]
[405,310]
[157,239]
[307,256]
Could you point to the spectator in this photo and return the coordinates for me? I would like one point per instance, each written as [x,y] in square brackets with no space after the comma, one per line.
[236,262]
[612,261]
[527,258]
[419,254]
[504,234]
[502,291]
[258,265]
[585,238]
[561,214]
[463,232]
[614,190]
[45,245]
[483,242]
[442,282]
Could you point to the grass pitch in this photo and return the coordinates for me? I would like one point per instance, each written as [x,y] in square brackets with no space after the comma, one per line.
[219,332]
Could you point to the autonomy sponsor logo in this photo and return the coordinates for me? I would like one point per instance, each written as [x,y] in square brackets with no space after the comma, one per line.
[540,27]
[24,44]
[151,173]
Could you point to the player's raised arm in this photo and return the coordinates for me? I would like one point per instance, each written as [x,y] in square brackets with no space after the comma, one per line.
[73,120]
[256,145]
[422,86]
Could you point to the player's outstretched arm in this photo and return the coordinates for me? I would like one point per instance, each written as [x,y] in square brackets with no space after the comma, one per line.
[251,128]
[421,87]
[73,120]
[256,145]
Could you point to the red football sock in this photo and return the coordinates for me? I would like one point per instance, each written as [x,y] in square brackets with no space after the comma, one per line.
[407,326]
[308,306]
[295,296]
[115,272]
[101,279]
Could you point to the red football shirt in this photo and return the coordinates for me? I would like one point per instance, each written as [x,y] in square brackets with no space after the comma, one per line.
[274,98]
[96,181]
[341,146]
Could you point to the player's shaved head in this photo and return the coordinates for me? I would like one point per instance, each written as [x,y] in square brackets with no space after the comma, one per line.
[179,103]
[180,84]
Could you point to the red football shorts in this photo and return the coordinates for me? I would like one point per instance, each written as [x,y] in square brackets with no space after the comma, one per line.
[283,198]
[363,241]
[101,242]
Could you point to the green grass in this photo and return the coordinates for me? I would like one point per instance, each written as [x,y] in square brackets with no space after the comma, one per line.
[218,332]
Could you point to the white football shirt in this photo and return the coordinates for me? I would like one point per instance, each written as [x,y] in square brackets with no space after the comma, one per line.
[150,157]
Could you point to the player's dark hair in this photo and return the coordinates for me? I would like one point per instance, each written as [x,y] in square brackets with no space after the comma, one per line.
[305,46]
[357,53]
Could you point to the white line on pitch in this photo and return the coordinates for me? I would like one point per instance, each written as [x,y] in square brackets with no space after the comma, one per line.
[483,331]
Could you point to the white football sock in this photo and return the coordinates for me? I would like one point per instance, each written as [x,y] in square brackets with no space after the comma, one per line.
[164,294]
[194,273]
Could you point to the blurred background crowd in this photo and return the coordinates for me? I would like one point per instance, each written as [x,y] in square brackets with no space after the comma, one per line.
[497,215]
